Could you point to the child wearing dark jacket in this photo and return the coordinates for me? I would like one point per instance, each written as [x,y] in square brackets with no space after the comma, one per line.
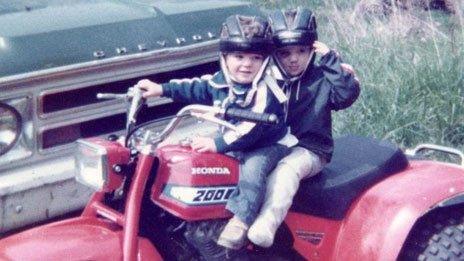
[241,83]
[313,92]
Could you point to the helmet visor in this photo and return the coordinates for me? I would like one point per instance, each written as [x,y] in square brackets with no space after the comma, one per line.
[252,46]
[294,37]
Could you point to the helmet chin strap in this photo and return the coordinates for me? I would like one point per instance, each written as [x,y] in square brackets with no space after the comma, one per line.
[230,79]
[289,80]
[224,68]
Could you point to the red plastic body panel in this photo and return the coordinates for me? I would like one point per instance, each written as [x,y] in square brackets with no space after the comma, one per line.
[378,223]
[88,237]
[74,239]
[192,185]
[315,237]
[133,205]
[117,154]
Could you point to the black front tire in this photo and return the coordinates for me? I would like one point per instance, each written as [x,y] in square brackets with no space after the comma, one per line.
[437,236]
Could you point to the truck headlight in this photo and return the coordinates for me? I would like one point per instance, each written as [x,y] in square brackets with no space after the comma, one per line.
[16,130]
[10,127]
[91,164]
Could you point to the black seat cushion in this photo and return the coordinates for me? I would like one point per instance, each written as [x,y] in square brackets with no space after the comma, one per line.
[357,164]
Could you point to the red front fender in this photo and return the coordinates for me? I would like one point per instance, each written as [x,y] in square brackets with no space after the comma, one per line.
[74,239]
[378,223]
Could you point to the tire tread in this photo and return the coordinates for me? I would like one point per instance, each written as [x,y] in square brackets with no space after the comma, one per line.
[437,236]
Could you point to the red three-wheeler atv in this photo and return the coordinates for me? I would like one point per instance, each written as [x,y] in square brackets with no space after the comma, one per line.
[372,202]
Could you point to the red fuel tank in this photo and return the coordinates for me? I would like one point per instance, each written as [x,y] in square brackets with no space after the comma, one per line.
[192,185]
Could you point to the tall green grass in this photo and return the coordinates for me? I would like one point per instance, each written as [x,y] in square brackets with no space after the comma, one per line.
[410,65]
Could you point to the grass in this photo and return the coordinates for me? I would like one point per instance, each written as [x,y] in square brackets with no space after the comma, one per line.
[411,68]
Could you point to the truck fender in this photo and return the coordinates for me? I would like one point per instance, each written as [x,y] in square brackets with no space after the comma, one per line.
[380,220]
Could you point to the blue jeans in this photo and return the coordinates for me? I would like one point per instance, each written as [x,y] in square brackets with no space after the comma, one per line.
[255,166]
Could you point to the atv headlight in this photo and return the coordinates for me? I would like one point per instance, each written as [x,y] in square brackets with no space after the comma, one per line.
[91,164]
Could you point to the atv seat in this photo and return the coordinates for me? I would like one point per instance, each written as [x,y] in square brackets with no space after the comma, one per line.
[357,164]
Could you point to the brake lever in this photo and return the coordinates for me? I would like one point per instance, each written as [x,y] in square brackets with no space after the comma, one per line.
[136,95]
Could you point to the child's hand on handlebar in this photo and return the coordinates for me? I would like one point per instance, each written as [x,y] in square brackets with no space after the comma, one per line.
[149,88]
[203,144]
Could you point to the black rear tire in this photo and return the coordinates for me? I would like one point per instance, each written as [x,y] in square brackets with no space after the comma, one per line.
[437,236]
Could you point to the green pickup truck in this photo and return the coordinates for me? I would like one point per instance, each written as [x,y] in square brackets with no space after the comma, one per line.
[55,56]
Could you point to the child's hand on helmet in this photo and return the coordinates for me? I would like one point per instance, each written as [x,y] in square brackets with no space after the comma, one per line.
[321,48]
[149,88]
[203,144]
[347,68]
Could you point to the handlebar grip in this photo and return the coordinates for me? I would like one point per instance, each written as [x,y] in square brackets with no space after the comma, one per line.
[110,95]
[105,96]
[267,118]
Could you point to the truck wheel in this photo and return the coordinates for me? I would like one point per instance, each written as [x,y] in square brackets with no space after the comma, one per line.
[438,236]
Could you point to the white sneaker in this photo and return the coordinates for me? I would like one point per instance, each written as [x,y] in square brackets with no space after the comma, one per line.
[261,234]
[234,234]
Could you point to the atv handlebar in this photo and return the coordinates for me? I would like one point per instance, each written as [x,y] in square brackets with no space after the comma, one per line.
[135,97]
[267,118]
[204,112]
[209,113]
